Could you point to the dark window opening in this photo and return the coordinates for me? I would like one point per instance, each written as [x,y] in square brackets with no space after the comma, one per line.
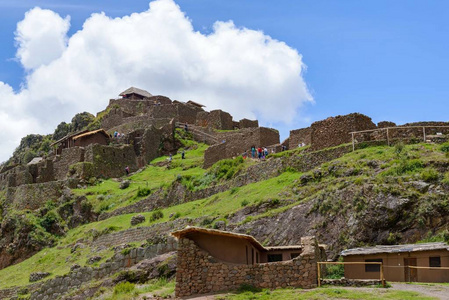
[113,153]
[123,155]
[252,256]
[372,267]
[246,252]
[104,151]
[294,255]
[435,262]
[274,257]
[257,257]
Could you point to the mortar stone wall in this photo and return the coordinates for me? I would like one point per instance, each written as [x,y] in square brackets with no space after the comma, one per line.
[32,196]
[335,131]
[245,123]
[186,113]
[217,119]
[297,136]
[109,161]
[200,273]
[237,142]
[68,157]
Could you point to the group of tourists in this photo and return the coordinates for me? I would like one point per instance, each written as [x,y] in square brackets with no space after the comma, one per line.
[118,135]
[260,152]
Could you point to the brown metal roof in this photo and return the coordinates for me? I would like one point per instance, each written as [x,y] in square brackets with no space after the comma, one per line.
[134,90]
[395,249]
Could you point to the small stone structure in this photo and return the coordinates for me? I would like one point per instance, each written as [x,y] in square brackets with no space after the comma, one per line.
[199,271]
[336,130]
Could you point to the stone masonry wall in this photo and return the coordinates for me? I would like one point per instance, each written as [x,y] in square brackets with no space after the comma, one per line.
[335,130]
[297,136]
[217,119]
[111,161]
[199,273]
[32,196]
[245,123]
[68,157]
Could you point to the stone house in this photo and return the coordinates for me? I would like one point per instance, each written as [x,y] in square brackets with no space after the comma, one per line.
[427,262]
[66,142]
[214,260]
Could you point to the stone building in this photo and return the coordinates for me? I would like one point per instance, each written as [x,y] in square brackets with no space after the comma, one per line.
[92,137]
[410,263]
[299,136]
[213,260]
[335,131]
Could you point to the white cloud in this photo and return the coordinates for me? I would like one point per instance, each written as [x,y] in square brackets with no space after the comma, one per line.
[41,37]
[239,70]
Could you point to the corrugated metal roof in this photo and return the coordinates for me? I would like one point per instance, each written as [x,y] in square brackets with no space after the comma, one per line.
[395,249]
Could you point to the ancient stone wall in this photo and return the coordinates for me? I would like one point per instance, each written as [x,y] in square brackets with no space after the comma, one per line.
[237,142]
[68,157]
[245,123]
[297,136]
[187,113]
[32,196]
[335,131]
[200,273]
[166,111]
[149,146]
[109,161]
[216,119]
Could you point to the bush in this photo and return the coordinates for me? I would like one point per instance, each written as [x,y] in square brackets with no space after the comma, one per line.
[156,215]
[445,147]
[248,288]
[124,288]
[244,203]
[227,168]
[430,175]
[143,192]
[175,216]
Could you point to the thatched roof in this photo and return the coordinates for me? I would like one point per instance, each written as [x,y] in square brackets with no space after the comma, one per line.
[91,133]
[68,136]
[35,160]
[188,230]
[195,103]
[134,90]
[380,249]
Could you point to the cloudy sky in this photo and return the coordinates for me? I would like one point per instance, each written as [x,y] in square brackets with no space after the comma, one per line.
[286,62]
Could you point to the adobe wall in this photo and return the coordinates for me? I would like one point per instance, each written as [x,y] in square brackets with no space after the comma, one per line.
[237,142]
[109,161]
[335,131]
[68,157]
[297,136]
[200,273]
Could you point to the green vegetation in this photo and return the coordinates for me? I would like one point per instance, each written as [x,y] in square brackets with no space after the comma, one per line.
[325,293]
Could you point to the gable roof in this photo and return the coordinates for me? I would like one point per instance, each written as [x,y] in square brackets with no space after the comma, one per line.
[69,136]
[134,90]
[195,103]
[379,249]
[186,231]
[91,133]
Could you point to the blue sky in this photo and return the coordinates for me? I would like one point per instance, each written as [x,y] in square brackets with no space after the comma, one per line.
[386,59]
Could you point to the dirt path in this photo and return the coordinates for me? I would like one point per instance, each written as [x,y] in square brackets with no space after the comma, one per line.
[434,290]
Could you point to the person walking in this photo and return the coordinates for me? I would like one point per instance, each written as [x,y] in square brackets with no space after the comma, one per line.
[127,170]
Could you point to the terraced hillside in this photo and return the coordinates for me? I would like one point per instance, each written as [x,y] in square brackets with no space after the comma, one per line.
[108,232]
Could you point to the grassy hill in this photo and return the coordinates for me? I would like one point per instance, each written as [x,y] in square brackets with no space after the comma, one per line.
[376,195]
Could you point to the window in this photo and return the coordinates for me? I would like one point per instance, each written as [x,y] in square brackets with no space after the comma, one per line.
[435,262]
[257,257]
[274,257]
[294,255]
[372,267]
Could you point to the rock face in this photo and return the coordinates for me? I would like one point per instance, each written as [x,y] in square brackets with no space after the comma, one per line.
[199,273]
[38,276]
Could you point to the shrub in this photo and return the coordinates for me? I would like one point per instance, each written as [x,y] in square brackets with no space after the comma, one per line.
[399,147]
[227,168]
[233,190]
[175,216]
[248,288]
[445,147]
[143,192]
[207,221]
[48,220]
[244,203]
[156,215]
[124,288]
[430,175]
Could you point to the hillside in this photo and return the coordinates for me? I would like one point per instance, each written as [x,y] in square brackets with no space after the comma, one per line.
[374,195]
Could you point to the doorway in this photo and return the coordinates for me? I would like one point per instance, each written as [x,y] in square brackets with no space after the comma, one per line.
[410,274]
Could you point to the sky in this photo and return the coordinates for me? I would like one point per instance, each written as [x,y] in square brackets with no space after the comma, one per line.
[287,63]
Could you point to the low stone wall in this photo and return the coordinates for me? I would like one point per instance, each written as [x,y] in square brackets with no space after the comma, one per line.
[33,196]
[350,282]
[54,288]
[199,273]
